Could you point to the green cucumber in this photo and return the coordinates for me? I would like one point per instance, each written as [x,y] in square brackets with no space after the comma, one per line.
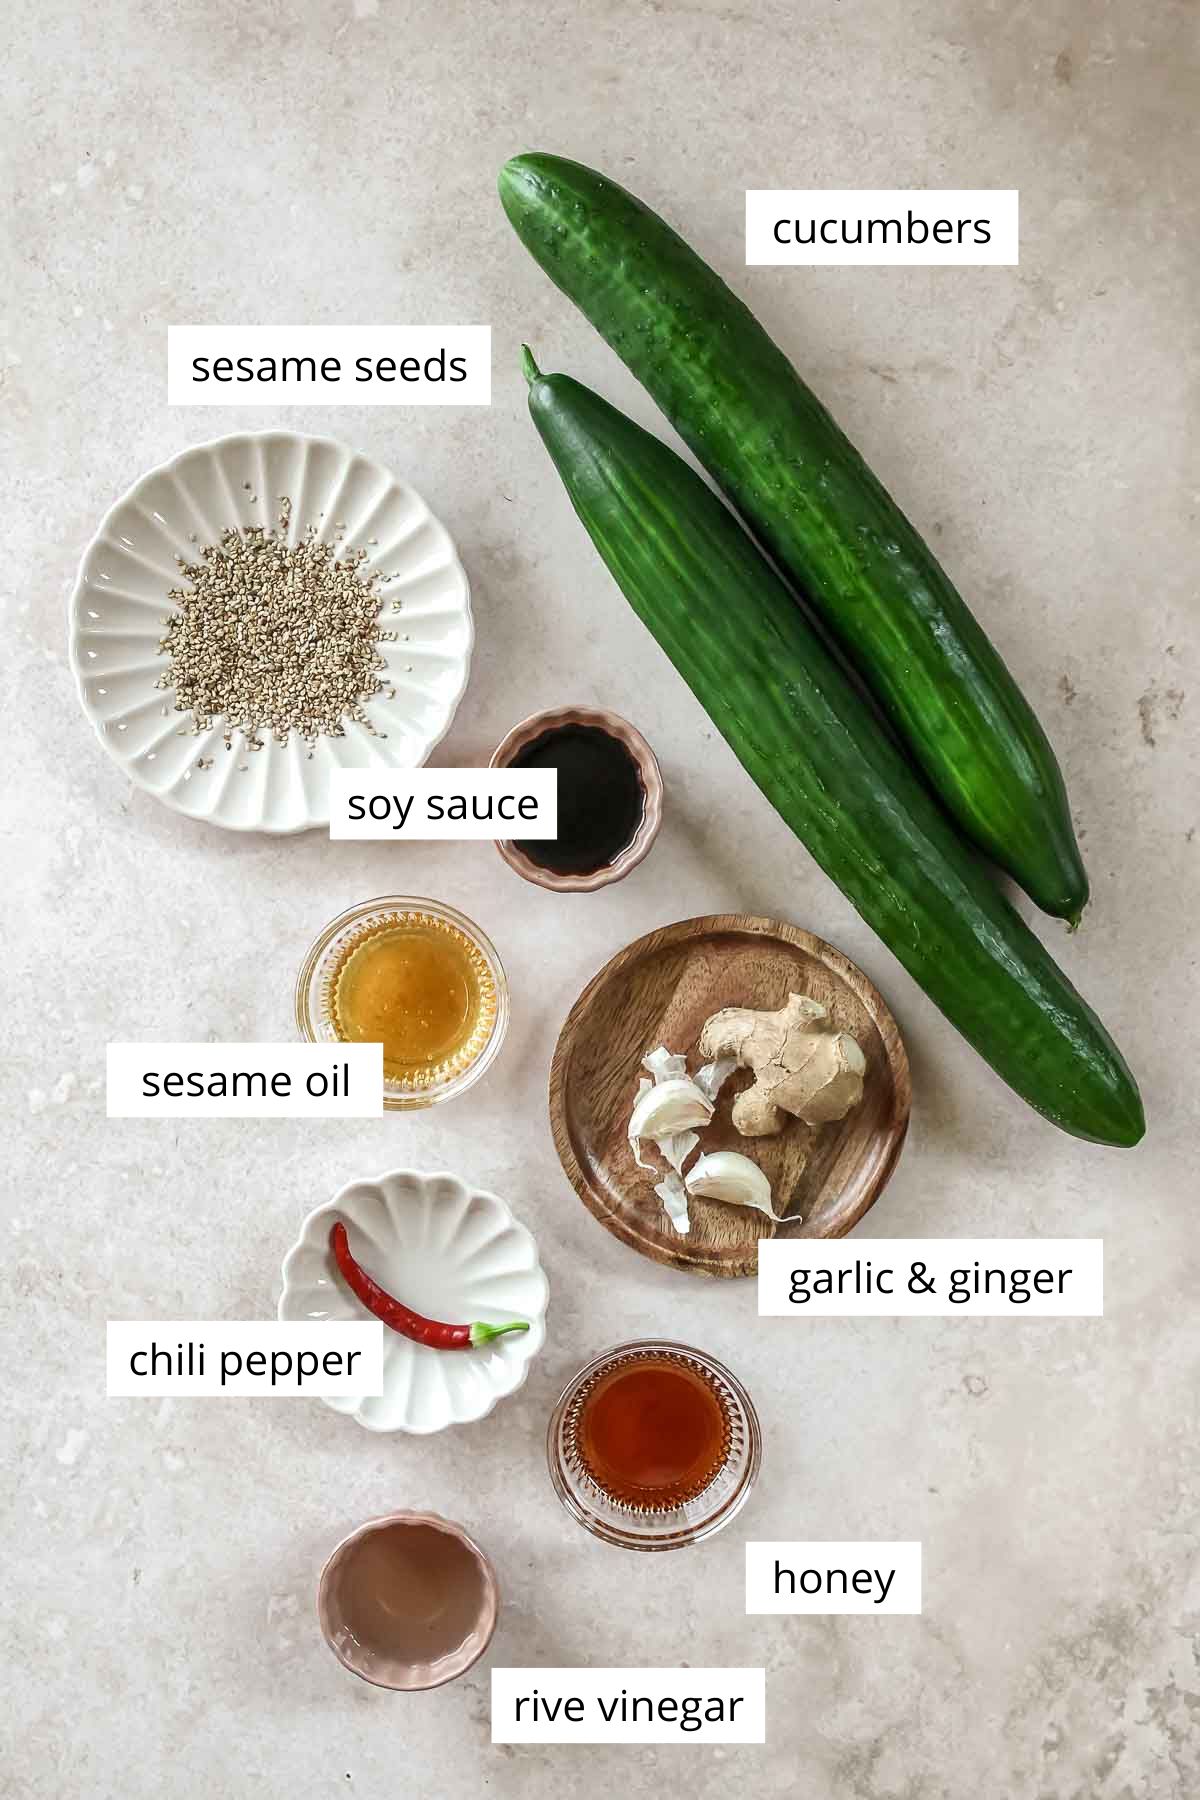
[827,764]
[810,499]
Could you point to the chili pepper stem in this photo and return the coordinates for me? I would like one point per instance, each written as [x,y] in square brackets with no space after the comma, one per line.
[483,1334]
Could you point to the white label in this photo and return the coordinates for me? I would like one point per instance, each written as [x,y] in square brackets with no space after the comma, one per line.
[245,1081]
[443,803]
[329,365]
[629,1706]
[833,1578]
[893,1278]
[881,225]
[195,1359]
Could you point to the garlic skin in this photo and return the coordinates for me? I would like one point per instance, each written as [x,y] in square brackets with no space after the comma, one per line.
[665,1064]
[713,1076]
[673,1194]
[729,1176]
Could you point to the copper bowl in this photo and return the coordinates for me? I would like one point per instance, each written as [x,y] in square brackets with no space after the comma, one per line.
[377,1663]
[649,773]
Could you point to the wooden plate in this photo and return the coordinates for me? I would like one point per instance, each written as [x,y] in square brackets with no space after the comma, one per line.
[660,990]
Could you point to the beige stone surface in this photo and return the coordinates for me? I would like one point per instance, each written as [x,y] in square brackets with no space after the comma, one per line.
[306,161]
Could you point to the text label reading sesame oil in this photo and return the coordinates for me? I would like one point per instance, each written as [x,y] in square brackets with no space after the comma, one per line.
[245,1081]
[329,365]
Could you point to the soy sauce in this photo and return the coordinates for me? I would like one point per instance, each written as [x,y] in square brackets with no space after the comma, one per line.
[600,798]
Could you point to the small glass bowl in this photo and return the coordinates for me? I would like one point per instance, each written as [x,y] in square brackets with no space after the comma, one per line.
[668,1528]
[314,982]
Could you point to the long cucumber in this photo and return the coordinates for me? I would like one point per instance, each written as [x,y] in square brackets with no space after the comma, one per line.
[826,764]
[809,497]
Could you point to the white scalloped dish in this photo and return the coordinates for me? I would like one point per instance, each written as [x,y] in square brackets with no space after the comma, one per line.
[448,1250]
[120,601]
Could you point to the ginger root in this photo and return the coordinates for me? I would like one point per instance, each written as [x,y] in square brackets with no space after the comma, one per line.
[802,1066]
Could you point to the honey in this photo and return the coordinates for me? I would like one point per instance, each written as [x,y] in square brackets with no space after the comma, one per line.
[652,1431]
[419,986]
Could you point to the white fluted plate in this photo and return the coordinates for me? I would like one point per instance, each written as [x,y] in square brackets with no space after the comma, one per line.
[120,601]
[448,1250]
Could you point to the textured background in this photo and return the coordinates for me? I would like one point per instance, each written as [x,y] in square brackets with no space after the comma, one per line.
[261,162]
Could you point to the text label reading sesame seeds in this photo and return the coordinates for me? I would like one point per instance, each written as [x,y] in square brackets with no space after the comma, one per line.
[329,365]
[245,1081]
[443,803]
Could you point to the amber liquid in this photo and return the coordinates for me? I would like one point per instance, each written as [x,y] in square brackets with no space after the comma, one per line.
[652,1431]
[421,988]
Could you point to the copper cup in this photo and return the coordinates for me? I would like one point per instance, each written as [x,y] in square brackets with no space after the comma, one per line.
[649,773]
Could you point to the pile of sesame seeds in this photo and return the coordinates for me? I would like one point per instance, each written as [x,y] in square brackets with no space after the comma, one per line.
[273,638]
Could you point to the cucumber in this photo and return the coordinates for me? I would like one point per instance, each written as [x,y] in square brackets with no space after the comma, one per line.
[810,499]
[827,764]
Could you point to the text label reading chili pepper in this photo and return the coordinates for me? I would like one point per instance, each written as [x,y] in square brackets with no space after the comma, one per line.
[189,1358]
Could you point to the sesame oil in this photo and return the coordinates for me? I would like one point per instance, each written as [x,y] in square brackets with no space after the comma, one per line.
[419,986]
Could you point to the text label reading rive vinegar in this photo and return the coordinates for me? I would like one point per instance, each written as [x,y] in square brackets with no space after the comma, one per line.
[629,1706]
[245,1081]
[881,225]
[889,1278]
[443,803]
[151,1359]
[329,365]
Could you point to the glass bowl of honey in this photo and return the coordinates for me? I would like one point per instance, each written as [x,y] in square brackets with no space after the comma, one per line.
[654,1445]
[417,977]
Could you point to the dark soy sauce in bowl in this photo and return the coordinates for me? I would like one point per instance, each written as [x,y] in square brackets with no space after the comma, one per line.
[601,800]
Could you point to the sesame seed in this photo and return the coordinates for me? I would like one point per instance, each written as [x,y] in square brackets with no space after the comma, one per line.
[271,637]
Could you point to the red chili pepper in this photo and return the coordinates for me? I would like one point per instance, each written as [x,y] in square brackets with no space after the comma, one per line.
[402,1318]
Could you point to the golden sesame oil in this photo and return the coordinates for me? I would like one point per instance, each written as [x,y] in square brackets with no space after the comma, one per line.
[420,987]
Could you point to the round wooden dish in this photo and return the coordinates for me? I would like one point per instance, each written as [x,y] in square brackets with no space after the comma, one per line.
[660,990]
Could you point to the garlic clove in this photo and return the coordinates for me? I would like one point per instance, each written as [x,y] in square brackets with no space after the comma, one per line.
[645,1086]
[729,1176]
[669,1107]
